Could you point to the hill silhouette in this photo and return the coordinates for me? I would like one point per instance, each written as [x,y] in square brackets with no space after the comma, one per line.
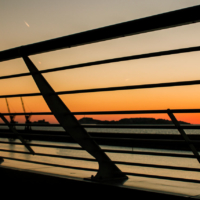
[87,120]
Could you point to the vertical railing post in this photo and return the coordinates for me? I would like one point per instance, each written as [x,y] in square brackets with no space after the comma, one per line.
[183,134]
[18,135]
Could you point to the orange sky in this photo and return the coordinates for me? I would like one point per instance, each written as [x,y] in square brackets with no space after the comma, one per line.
[150,99]
[43,25]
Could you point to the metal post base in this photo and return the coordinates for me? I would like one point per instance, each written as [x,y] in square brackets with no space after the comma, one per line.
[116,180]
[1,160]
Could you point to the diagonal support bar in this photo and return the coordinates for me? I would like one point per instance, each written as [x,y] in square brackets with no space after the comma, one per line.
[183,134]
[107,169]
[15,131]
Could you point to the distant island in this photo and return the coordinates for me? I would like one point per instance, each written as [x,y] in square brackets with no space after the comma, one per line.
[41,122]
[87,120]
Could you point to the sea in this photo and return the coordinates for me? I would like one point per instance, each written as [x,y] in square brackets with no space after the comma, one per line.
[125,157]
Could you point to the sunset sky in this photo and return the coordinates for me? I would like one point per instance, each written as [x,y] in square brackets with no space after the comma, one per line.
[26,21]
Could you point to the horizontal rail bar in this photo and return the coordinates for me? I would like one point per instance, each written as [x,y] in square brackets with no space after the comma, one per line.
[51,155]
[90,169]
[130,87]
[142,126]
[48,164]
[116,162]
[32,124]
[44,145]
[106,150]
[163,177]
[120,59]
[157,22]
[150,153]
[112,112]
[110,138]
[15,75]
[65,135]
[158,166]
[147,140]
[28,113]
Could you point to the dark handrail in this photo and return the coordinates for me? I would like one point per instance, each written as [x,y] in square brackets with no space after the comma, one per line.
[120,59]
[150,153]
[9,135]
[107,150]
[50,164]
[130,87]
[44,145]
[52,155]
[170,126]
[147,140]
[113,112]
[157,22]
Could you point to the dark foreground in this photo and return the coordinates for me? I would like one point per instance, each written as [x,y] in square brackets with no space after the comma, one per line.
[26,184]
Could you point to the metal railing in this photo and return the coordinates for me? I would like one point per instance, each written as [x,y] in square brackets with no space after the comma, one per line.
[157,22]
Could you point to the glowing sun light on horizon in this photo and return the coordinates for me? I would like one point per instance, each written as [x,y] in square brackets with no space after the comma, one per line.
[26,24]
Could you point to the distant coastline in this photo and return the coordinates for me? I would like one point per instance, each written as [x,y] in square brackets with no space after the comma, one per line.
[87,120]
[41,122]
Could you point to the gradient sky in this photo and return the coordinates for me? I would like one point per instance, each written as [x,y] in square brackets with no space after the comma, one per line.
[25,22]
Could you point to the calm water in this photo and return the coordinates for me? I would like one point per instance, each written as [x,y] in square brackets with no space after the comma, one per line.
[170,161]
[117,130]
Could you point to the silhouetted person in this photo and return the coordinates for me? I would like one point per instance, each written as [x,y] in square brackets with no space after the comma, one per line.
[28,123]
